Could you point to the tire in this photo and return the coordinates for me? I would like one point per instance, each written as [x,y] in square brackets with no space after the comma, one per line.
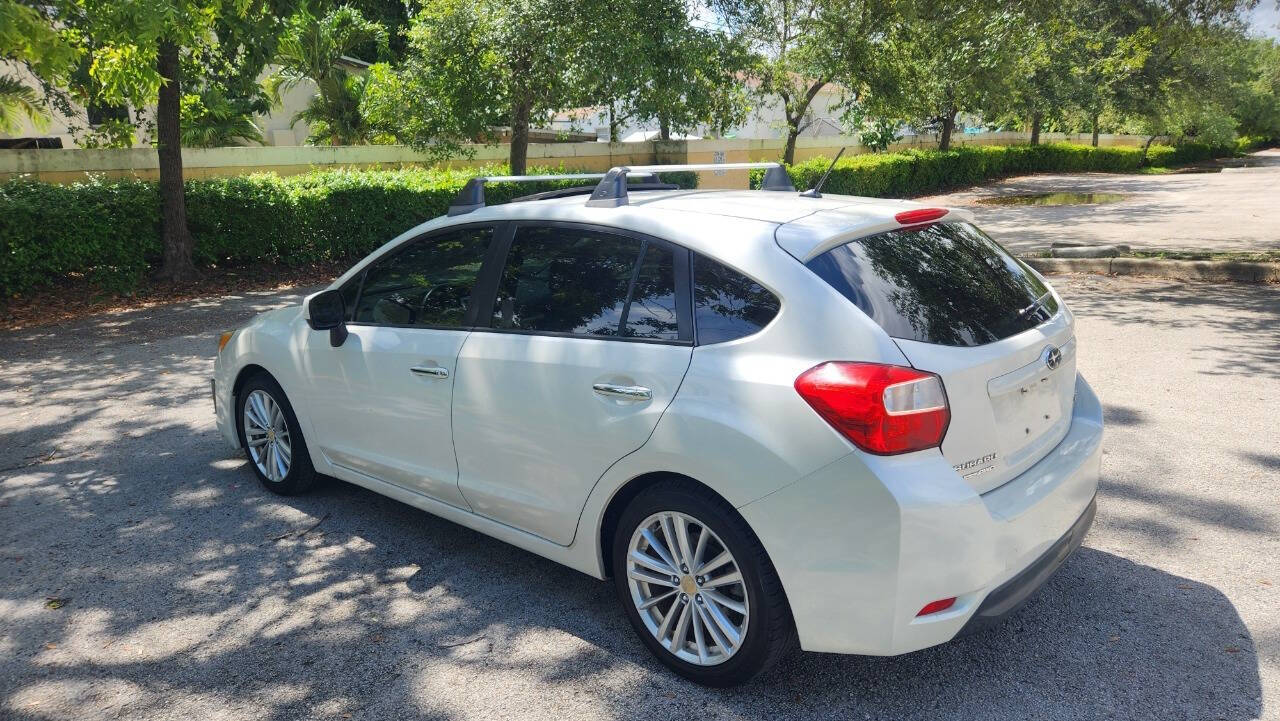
[757,606]
[269,401]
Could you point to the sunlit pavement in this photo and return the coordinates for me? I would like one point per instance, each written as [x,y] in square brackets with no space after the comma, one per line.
[1231,210]
[145,575]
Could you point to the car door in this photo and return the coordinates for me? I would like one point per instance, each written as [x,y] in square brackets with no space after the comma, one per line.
[382,399]
[589,338]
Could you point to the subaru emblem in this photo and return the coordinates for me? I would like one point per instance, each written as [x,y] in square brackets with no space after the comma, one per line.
[1052,357]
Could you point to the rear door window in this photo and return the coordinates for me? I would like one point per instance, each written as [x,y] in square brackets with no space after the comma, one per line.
[946,283]
[728,305]
[579,281]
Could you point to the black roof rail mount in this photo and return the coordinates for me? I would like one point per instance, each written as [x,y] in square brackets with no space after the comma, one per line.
[611,191]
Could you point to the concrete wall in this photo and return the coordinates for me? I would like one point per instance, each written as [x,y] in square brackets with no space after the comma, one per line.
[73,165]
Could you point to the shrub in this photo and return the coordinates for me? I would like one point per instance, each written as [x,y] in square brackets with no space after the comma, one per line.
[919,172]
[110,230]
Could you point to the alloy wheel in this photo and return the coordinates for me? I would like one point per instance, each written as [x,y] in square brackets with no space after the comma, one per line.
[266,434]
[687,588]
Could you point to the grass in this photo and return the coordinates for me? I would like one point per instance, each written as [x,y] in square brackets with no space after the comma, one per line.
[1257,256]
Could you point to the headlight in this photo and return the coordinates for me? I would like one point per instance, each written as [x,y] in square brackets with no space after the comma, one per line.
[224,339]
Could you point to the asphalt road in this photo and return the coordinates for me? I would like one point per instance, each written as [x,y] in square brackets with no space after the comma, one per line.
[184,591]
[1232,210]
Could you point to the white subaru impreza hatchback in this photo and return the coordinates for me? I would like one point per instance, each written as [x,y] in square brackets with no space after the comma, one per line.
[770,417]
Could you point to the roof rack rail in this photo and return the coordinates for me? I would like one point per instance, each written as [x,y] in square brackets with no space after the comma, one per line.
[612,190]
[471,197]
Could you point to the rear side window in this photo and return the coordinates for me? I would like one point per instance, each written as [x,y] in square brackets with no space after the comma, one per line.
[946,283]
[427,283]
[585,282]
[727,304]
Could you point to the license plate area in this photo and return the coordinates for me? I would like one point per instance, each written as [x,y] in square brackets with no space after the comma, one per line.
[1031,407]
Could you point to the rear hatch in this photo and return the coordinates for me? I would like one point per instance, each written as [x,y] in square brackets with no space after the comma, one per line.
[960,306]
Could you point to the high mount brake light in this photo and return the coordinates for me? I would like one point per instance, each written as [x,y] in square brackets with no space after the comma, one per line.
[919,215]
[882,409]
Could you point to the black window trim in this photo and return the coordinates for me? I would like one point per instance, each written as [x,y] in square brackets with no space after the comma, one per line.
[491,276]
[469,319]
[485,292]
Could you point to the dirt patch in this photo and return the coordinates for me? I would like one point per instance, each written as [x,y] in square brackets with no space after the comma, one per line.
[1064,198]
[77,297]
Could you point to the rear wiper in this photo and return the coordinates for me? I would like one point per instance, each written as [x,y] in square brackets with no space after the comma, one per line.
[1038,302]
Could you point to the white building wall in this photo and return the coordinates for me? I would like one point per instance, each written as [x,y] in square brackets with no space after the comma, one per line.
[765,121]
[275,125]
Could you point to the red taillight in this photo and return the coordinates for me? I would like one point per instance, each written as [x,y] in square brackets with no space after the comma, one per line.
[883,409]
[919,215]
[941,604]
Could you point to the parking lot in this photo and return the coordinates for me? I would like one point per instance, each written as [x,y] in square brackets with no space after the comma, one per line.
[144,574]
[1232,209]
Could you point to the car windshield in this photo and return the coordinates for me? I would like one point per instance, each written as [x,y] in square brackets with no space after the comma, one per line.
[944,283]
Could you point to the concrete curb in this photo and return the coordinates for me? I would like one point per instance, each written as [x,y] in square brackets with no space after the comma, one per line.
[1210,270]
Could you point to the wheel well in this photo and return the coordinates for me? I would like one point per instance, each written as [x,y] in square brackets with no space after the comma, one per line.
[622,498]
[242,377]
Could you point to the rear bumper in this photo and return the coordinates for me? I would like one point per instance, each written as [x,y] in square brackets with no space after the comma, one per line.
[1006,599]
[864,544]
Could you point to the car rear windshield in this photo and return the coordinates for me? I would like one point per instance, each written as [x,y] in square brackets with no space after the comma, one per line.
[945,283]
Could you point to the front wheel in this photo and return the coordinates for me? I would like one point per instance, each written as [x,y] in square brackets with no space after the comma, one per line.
[271,437]
[698,587]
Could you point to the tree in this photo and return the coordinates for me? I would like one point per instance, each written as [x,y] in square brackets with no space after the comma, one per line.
[1177,60]
[951,58]
[472,66]
[666,70]
[394,16]
[28,39]
[803,46]
[1043,85]
[137,55]
[311,49]
[1258,110]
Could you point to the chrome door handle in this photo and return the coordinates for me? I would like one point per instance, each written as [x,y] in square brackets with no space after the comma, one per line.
[433,371]
[626,393]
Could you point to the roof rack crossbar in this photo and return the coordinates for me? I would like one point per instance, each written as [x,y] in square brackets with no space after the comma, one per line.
[471,197]
[611,192]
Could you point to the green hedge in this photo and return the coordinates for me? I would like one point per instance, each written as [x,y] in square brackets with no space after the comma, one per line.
[110,230]
[918,172]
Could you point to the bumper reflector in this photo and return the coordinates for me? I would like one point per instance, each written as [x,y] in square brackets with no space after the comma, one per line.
[941,604]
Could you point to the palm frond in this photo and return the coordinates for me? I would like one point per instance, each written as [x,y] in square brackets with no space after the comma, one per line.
[19,102]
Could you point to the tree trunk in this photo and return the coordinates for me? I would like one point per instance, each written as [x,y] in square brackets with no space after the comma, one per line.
[789,152]
[520,137]
[795,115]
[944,134]
[1095,130]
[176,239]
[1036,120]
[613,124]
[664,127]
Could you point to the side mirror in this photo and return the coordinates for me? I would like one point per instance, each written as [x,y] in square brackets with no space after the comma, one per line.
[327,311]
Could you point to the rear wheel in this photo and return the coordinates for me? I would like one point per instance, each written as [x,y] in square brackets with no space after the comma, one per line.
[271,437]
[698,587]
